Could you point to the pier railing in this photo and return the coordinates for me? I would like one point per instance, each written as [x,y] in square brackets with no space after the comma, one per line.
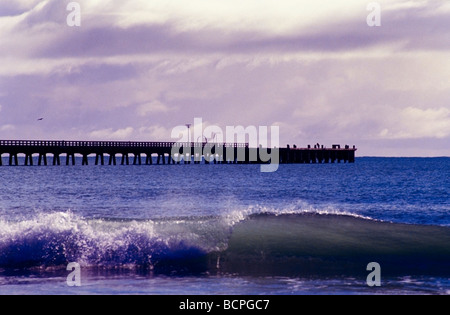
[116,144]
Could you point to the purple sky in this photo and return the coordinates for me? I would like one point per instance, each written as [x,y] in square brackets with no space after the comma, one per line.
[135,69]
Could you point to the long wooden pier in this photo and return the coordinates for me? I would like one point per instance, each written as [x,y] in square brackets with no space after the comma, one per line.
[108,152]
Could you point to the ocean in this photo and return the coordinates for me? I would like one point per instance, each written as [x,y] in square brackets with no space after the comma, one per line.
[227,229]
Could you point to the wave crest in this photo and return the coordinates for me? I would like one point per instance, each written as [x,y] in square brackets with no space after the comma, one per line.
[254,240]
[58,238]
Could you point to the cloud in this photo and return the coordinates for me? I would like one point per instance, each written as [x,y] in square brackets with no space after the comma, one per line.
[16,7]
[233,15]
[110,134]
[151,108]
[314,68]
[155,133]
[111,28]
[416,123]
[6,128]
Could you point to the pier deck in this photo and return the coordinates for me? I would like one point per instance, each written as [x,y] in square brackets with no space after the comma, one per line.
[37,152]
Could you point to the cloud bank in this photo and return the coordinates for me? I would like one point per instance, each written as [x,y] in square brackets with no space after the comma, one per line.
[135,69]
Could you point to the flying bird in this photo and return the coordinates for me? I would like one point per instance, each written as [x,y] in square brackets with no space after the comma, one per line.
[40,119]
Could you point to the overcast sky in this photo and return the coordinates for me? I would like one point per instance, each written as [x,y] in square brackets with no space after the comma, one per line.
[135,69]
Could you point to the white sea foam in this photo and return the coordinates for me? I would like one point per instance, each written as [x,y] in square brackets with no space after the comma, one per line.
[54,238]
[298,208]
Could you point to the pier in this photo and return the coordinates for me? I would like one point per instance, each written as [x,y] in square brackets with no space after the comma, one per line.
[43,153]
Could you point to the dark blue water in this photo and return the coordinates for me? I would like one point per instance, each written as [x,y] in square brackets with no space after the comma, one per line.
[227,229]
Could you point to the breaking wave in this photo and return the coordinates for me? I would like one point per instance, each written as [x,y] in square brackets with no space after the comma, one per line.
[249,242]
